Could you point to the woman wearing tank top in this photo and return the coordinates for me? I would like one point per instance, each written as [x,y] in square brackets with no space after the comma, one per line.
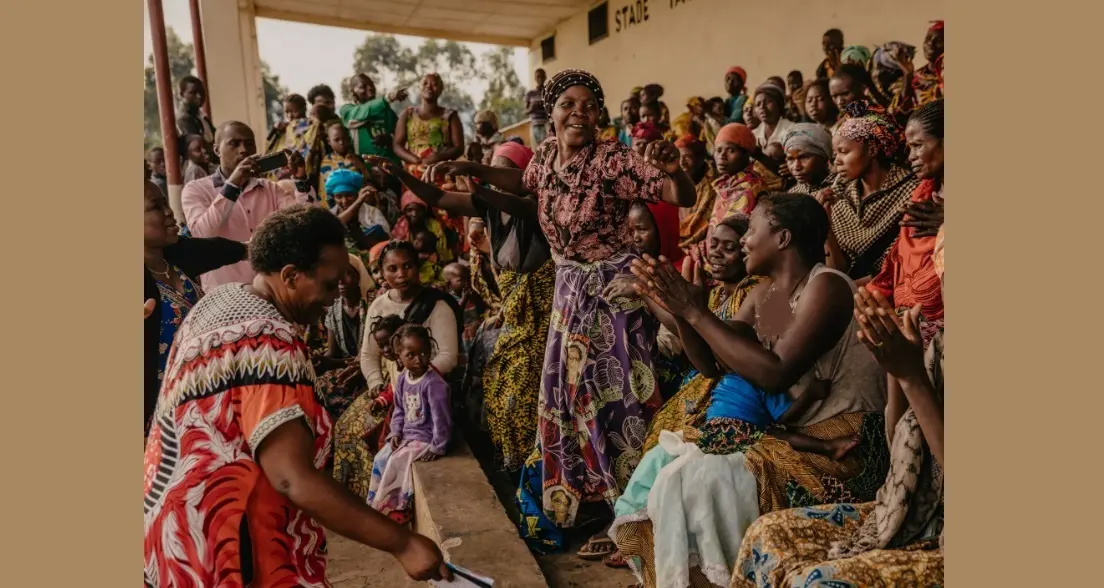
[794,335]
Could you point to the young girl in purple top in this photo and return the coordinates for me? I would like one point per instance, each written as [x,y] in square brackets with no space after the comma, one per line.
[421,425]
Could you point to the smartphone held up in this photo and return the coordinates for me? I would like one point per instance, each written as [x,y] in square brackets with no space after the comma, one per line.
[272,162]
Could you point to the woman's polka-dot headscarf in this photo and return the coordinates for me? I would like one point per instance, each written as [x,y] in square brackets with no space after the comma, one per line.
[874,129]
[572,77]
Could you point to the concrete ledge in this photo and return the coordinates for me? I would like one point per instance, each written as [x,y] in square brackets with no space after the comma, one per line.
[455,505]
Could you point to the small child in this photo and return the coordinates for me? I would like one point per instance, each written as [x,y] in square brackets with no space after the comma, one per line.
[429,269]
[774,181]
[738,410]
[458,284]
[197,162]
[365,225]
[339,155]
[378,425]
[421,425]
[155,157]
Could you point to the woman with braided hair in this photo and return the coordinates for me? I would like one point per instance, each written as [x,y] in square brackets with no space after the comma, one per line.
[908,275]
[598,388]
[867,201]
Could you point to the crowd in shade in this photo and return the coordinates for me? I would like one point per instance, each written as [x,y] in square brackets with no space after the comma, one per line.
[706,346]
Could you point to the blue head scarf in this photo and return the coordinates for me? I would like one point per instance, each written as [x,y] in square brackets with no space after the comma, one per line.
[343,181]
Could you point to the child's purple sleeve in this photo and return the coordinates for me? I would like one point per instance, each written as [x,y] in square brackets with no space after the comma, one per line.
[441,414]
[398,415]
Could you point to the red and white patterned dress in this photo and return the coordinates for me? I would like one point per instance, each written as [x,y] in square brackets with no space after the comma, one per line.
[236,372]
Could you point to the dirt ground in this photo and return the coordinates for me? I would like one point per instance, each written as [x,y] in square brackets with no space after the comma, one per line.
[352,565]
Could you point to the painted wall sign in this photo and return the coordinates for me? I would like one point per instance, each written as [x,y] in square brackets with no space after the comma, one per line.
[675,3]
[631,14]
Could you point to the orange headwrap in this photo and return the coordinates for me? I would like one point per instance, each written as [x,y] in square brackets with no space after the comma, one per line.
[738,71]
[737,134]
[375,251]
[692,143]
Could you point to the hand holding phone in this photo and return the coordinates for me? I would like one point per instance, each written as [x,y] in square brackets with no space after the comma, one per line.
[246,170]
[272,162]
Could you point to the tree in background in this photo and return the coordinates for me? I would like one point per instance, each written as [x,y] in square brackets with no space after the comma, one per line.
[182,63]
[392,66]
[505,95]
[274,93]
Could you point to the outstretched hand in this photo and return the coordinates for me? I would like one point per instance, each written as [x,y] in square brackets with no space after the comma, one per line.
[397,95]
[386,165]
[658,280]
[895,343]
[442,169]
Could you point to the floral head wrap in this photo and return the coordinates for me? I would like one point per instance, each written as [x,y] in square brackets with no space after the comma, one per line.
[873,129]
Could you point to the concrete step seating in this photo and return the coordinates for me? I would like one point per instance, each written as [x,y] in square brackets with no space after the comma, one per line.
[455,505]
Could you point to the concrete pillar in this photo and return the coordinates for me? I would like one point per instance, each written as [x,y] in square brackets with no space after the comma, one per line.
[234,63]
[165,106]
[200,52]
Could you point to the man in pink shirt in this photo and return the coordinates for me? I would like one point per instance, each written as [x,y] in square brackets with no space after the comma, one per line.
[234,201]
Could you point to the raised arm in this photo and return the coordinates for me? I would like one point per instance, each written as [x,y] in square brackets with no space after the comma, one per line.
[899,349]
[455,203]
[699,350]
[820,319]
[507,179]
[197,256]
[511,204]
[678,188]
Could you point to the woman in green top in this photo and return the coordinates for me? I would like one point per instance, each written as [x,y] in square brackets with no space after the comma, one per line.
[371,120]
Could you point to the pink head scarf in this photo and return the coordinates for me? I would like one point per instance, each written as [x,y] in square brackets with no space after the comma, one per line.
[520,155]
[409,198]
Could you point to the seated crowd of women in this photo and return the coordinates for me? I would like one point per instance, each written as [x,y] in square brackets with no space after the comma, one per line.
[724,351]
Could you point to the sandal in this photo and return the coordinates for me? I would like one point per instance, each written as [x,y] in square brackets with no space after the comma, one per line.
[596,549]
[615,560]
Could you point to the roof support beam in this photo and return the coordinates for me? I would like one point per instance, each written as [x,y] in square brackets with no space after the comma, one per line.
[368,25]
